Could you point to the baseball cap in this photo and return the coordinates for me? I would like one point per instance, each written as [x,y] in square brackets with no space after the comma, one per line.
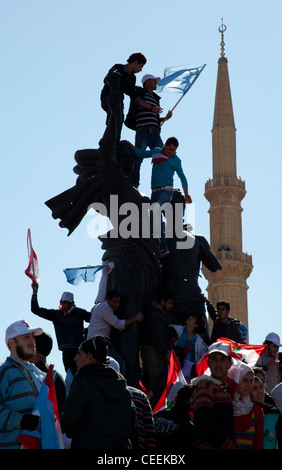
[274,338]
[20,327]
[68,296]
[148,76]
[220,347]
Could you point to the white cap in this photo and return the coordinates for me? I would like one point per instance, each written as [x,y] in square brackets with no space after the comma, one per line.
[148,76]
[68,296]
[220,347]
[21,327]
[274,338]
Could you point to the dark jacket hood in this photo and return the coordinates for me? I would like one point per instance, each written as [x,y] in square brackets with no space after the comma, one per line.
[111,383]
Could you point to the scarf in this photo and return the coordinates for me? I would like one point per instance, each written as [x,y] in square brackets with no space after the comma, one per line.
[159,157]
[242,405]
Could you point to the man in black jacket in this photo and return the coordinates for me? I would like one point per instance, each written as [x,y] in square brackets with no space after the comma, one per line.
[68,321]
[98,411]
[119,81]
[224,325]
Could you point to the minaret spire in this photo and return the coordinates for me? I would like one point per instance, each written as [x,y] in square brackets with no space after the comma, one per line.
[222,28]
[225,193]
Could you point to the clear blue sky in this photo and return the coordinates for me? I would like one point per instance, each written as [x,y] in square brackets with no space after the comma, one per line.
[54,56]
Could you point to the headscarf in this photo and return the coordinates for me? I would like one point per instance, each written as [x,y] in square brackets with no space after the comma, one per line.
[242,405]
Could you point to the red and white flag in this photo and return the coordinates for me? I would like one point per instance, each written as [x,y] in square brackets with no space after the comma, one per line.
[246,353]
[32,271]
[175,380]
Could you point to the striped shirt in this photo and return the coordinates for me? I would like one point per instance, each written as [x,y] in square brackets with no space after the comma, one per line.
[145,421]
[18,392]
[211,403]
[145,117]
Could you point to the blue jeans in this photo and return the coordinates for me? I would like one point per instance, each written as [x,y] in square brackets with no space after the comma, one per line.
[161,197]
[144,137]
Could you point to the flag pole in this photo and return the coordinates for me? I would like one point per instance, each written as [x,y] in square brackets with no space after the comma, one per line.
[174,107]
[178,101]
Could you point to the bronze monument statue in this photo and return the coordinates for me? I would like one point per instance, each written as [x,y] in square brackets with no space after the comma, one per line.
[181,269]
[138,275]
[102,174]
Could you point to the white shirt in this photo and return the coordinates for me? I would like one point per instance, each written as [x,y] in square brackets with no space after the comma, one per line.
[102,320]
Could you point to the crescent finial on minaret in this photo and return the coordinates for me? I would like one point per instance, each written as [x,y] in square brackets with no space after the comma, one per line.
[222,28]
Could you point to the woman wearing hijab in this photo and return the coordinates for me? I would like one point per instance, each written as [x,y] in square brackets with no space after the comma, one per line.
[248,416]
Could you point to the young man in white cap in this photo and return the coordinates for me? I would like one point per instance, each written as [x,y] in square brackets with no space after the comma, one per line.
[68,321]
[146,121]
[269,361]
[20,382]
[211,402]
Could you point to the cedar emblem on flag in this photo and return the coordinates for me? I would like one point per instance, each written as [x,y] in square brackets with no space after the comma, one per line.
[32,271]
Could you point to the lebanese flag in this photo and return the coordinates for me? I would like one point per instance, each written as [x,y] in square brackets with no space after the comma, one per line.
[48,433]
[246,353]
[32,271]
[175,380]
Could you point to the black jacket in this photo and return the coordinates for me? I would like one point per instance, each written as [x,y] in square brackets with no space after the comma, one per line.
[69,329]
[118,80]
[230,329]
[97,413]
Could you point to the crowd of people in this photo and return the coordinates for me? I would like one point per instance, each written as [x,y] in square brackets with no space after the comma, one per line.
[98,406]
[99,409]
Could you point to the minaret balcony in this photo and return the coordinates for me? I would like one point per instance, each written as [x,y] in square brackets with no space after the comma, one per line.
[233,255]
[224,181]
[225,190]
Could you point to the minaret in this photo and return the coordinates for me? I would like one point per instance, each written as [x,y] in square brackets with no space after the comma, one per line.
[225,193]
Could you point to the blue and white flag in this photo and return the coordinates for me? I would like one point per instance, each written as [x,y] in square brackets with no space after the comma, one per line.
[87,274]
[48,433]
[179,79]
